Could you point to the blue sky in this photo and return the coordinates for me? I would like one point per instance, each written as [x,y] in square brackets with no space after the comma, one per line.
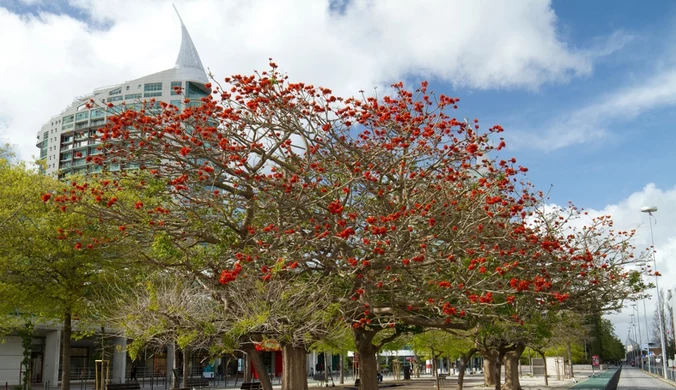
[586,91]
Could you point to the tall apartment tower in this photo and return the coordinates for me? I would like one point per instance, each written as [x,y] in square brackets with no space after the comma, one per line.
[67,139]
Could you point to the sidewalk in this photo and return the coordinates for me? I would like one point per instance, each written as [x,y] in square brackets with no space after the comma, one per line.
[425,382]
[634,379]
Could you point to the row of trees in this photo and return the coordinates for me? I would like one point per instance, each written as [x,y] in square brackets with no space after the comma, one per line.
[301,215]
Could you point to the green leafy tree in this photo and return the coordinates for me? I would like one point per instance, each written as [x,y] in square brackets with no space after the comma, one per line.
[44,262]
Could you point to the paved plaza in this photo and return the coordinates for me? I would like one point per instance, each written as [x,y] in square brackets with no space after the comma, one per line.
[630,379]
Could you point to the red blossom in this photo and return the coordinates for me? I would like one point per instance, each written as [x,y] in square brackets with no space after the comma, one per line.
[336,207]
[471,148]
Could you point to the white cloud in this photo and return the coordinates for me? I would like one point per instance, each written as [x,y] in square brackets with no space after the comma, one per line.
[477,44]
[627,215]
[594,121]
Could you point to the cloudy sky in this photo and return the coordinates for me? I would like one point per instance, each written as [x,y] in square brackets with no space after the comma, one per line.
[585,91]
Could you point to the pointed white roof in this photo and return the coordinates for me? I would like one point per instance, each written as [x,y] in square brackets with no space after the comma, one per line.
[187,55]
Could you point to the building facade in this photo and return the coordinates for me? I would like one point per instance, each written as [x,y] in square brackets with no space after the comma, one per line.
[67,139]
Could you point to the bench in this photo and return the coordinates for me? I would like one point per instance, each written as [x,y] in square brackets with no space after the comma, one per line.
[251,386]
[123,386]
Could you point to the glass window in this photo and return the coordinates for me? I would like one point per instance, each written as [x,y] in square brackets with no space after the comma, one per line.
[150,87]
[98,113]
[176,103]
[176,84]
[196,90]
[152,94]
[116,91]
[81,116]
[114,99]
[45,135]
[133,96]
[67,119]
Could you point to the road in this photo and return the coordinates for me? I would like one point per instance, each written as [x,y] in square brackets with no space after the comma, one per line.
[635,379]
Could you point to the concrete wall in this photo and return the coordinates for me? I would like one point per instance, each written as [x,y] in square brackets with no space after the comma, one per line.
[11,354]
[52,357]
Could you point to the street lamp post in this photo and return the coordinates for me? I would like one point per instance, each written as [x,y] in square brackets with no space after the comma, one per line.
[650,211]
[638,321]
[647,332]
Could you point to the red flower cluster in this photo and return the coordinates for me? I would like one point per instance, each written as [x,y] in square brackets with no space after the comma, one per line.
[229,276]
[336,207]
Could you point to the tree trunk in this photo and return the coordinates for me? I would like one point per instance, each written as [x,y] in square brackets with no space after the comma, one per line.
[247,367]
[174,365]
[498,368]
[186,367]
[461,372]
[570,361]
[463,364]
[65,350]
[368,366]
[544,359]
[326,369]
[257,362]
[434,370]
[490,358]
[293,368]
[512,368]
[342,376]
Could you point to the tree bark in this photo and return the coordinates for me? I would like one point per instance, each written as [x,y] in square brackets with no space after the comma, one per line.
[247,368]
[65,349]
[326,369]
[293,368]
[342,377]
[570,362]
[490,358]
[544,359]
[497,363]
[463,365]
[174,365]
[368,366]
[434,369]
[186,367]
[255,358]
[461,373]
[512,367]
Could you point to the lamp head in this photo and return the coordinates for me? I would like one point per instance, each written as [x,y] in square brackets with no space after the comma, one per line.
[648,209]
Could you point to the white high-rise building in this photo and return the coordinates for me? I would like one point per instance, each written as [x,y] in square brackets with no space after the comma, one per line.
[67,139]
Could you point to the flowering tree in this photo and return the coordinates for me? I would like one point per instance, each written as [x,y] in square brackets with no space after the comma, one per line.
[406,214]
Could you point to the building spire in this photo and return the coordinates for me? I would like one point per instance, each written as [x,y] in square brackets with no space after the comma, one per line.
[187,55]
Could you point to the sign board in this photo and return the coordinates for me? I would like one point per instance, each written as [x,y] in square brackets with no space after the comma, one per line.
[596,362]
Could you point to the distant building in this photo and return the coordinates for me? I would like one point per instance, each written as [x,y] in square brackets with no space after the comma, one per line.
[67,139]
